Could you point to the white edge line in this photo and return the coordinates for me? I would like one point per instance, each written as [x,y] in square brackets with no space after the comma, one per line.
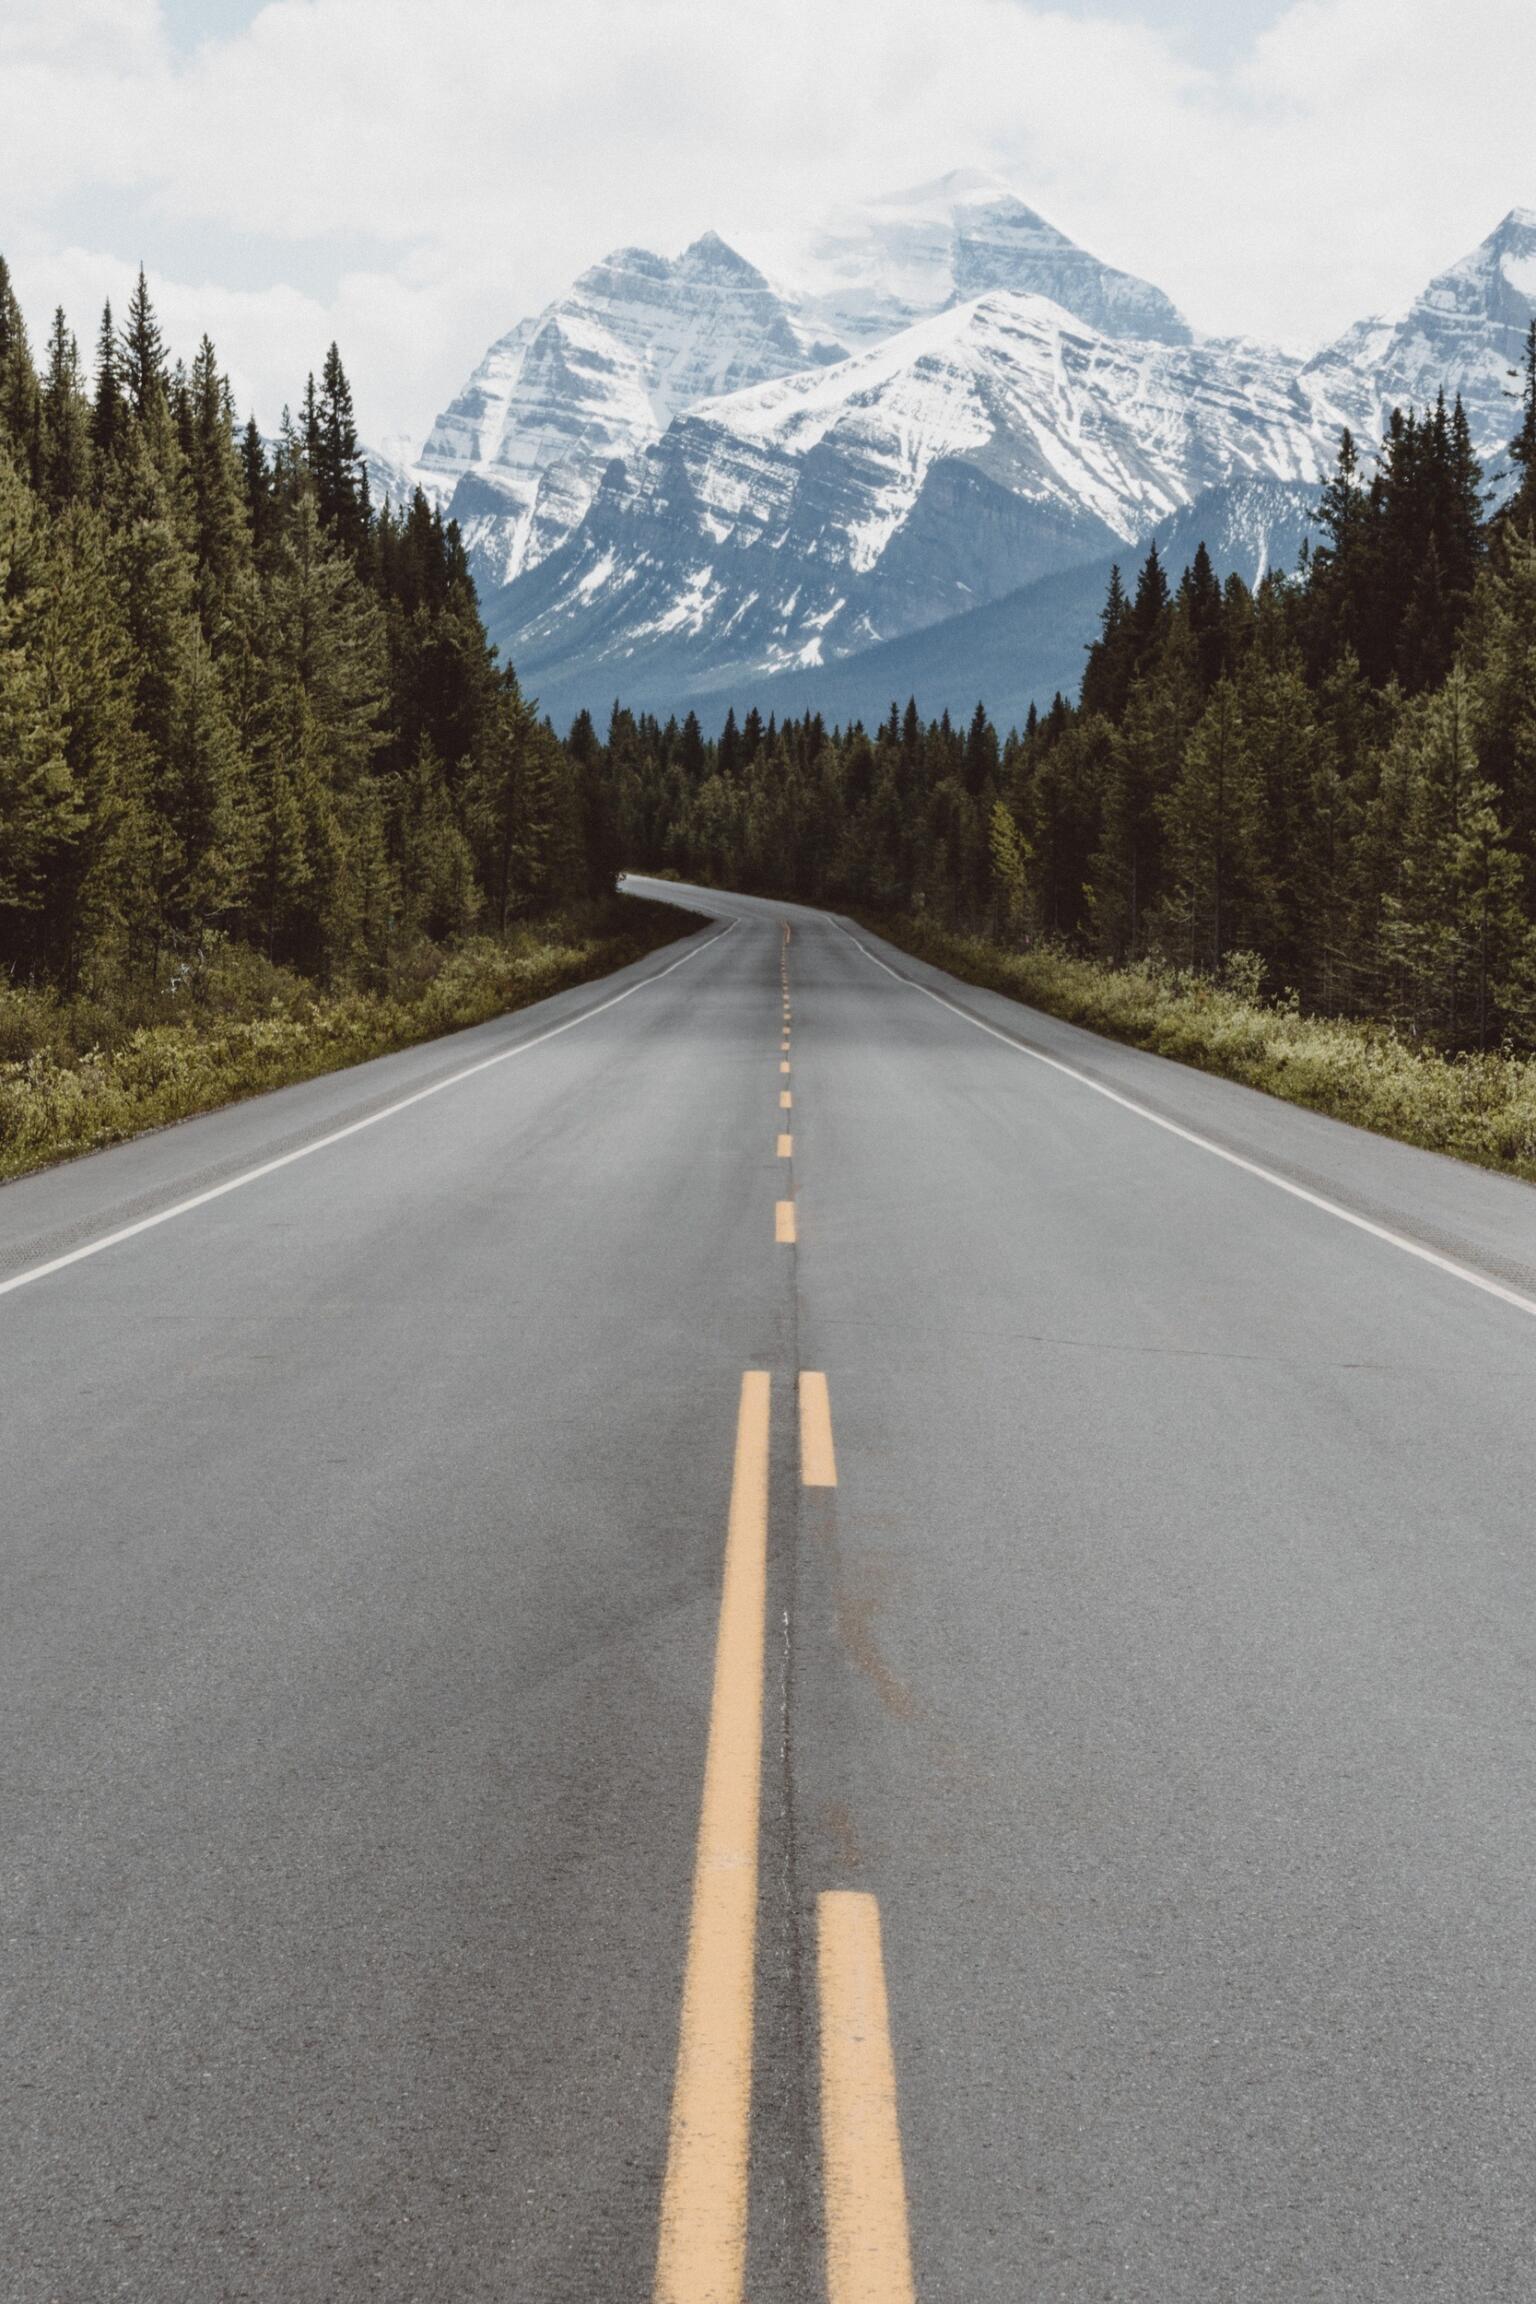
[1345,1215]
[339,1135]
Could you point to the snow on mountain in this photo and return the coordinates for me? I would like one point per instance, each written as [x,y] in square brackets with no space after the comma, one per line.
[1015,651]
[599,374]
[687,471]
[874,267]
[1464,334]
[829,510]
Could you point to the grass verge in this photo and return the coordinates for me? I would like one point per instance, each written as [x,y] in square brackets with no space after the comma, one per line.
[77,1075]
[1479,1107]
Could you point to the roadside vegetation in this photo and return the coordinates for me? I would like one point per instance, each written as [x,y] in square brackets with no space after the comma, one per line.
[77,1074]
[1478,1105]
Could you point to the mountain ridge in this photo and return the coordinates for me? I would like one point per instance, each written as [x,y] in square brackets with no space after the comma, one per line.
[695,469]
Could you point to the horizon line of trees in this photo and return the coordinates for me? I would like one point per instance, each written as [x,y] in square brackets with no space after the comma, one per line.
[1326,783]
[239,703]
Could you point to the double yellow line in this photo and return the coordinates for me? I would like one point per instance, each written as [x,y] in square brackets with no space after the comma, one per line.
[702,2256]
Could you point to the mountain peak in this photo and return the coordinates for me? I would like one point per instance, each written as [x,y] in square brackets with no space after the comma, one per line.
[1495,283]
[599,375]
[881,265]
[710,257]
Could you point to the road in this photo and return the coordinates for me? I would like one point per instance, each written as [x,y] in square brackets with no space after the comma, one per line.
[613,1686]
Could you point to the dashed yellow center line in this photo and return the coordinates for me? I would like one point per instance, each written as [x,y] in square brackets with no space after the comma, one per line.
[783,1067]
[818,1459]
[785,1100]
[869,2249]
[701,2258]
[786,1147]
[784,1223]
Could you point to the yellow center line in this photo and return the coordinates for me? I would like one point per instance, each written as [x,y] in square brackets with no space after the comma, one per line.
[818,1460]
[869,2250]
[786,1147]
[785,1100]
[783,1067]
[784,1223]
[702,2254]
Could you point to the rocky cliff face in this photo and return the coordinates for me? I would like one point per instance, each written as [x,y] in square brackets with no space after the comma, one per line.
[600,374]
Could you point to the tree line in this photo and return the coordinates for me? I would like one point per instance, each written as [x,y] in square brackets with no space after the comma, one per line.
[239,703]
[1325,783]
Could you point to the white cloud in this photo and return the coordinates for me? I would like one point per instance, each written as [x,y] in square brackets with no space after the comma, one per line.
[441,170]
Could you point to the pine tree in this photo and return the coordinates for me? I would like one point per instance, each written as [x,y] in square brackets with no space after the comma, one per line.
[143,353]
[728,759]
[64,475]
[982,757]
[256,480]
[341,484]
[1148,622]
[1201,608]
[109,409]
[220,522]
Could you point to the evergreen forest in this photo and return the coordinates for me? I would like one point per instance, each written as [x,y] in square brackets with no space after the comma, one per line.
[243,710]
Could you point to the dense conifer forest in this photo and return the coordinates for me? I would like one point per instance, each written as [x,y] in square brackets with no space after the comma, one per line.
[1326,785]
[243,711]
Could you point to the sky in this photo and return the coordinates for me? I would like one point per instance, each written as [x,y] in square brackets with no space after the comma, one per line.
[411,178]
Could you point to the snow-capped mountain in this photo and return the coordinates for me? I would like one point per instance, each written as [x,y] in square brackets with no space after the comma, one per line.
[875,267]
[1465,334]
[689,471]
[836,508]
[599,374]
[640,339]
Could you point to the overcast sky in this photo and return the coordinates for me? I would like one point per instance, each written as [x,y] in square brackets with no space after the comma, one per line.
[411,178]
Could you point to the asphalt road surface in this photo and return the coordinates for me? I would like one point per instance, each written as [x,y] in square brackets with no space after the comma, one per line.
[613,1686]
